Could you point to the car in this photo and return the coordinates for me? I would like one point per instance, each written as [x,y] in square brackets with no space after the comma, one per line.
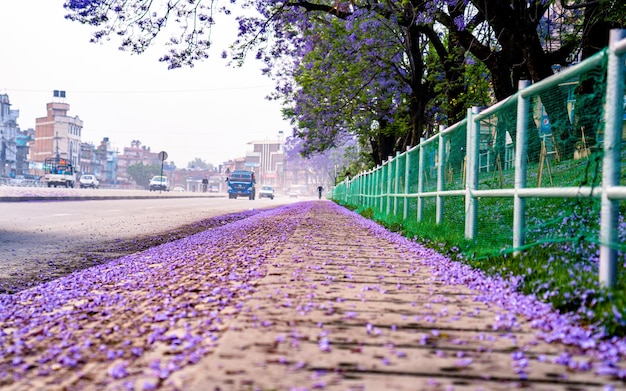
[159,182]
[293,194]
[89,180]
[266,192]
[179,188]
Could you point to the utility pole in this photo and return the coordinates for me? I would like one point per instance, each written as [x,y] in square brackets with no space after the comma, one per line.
[56,142]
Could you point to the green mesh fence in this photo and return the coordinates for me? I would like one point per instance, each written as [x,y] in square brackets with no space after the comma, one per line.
[527,172]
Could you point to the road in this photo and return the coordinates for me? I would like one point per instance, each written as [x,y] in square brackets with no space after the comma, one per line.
[43,240]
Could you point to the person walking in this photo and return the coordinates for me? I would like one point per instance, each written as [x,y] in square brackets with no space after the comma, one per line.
[320,189]
[205,184]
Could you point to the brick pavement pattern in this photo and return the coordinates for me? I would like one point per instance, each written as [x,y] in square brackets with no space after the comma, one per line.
[330,302]
[343,309]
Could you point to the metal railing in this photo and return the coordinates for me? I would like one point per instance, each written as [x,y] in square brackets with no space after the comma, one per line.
[389,185]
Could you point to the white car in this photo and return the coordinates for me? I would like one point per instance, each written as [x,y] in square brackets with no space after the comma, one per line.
[266,192]
[159,182]
[89,180]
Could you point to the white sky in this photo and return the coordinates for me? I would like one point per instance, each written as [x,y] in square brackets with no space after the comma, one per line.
[210,111]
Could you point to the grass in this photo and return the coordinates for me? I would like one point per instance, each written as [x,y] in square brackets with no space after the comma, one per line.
[559,264]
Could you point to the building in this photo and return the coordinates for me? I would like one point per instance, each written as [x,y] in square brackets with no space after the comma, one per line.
[266,160]
[134,154]
[57,135]
[23,140]
[89,161]
[8,133]
[107,157]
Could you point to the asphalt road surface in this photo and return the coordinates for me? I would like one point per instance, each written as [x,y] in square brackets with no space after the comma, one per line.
[43,240]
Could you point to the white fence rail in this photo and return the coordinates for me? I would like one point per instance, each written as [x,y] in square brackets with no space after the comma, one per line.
[368,187]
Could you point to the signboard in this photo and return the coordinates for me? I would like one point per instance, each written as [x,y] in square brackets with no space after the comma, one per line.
[162,155]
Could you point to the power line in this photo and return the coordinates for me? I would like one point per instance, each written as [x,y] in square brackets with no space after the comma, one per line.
[148,91]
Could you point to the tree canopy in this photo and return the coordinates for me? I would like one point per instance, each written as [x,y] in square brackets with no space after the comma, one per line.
[386,72]
[142,173]
[199,164]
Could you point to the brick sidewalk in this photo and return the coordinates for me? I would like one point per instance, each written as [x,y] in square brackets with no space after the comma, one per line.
[342,309]
[334,303]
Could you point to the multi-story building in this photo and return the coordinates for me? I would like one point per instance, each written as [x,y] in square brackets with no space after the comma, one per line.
[89,161]
[23,140]
[267,161]
[107,158]
[8,131]
[135,154]
[57,134]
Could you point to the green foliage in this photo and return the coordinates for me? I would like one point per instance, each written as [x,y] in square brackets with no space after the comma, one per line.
[613,11]
[367,213]
[451,96]
[142,173]
[199,164]
[345,87]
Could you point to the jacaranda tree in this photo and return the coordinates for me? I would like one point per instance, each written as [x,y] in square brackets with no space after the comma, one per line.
[279,30]
[382,46]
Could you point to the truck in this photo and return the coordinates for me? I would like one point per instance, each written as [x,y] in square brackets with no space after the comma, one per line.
[59,172]
[241,183]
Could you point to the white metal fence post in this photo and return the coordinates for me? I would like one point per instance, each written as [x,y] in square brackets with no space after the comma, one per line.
[396,183]
[613,118]
[521,150]
[389,181]
[367,190]
[407,181]
[441,172]
[471,203]
[381,187]
[420,182]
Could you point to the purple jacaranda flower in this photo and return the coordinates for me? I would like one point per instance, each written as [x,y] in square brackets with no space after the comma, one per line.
[464,362]
[118,371]
[149,385]
[324,345]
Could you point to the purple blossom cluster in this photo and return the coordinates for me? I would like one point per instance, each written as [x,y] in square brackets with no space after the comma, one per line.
[119,313]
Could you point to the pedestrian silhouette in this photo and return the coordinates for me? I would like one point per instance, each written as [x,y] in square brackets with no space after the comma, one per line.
[320,189]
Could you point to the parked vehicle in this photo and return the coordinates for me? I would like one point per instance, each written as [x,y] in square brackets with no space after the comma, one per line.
[266,192]
[241,183]
[159,182]
[59,172]
[89,180]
